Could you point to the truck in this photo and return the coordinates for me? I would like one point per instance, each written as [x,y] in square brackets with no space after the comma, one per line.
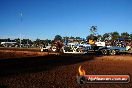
[113,50]
[101,48]
[85,48]
[69,48]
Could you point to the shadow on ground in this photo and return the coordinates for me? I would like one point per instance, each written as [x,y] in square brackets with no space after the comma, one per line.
[3,86]
[36,64]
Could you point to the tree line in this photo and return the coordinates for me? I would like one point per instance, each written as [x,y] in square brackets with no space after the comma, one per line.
[108,36]
[93,35]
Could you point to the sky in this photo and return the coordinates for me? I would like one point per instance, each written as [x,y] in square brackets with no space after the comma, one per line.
[46,18]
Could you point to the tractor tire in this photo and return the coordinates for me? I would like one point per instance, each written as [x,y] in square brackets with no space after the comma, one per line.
[104,51]
[130,50]
[112,52]
[61,51]
[54,48]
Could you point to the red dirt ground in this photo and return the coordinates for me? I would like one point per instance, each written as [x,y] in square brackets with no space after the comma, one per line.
[27,69]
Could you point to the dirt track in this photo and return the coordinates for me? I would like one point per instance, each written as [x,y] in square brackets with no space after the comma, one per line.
[18,70]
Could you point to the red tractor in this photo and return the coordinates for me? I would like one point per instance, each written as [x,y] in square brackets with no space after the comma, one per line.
[54,47]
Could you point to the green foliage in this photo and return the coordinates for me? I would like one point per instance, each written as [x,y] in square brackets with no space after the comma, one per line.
[99,37]
[91,37]
[130,36]
[125,35]
[93,30]
[58,37]
[106,36]
[115,35]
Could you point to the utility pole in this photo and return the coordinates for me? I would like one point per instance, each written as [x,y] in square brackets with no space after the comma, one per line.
[20,40]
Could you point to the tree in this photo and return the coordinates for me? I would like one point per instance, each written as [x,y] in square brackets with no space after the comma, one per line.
[106,36]
[72,37]
[37,42]
[57,42]
[24,41]
[99,37]
[47,42]
[93,30]
[125,35]
[93,33]
[66,37]
[77,38]
[58,37]
[114,35]
[131,36]
[8,40]
[17,40]
[90,37]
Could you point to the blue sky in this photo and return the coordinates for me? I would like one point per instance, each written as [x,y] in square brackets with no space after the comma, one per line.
[46,18]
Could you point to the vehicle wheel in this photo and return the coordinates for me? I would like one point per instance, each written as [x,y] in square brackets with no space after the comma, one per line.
[130,50]
[46,50]
[41,50]
[112,52]
[61,50]
[104,51]
[54,48]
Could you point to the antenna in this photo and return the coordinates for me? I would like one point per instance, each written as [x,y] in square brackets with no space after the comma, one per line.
[20,14]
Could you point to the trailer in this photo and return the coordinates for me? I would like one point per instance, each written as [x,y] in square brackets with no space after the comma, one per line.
[113,50]
[101,49]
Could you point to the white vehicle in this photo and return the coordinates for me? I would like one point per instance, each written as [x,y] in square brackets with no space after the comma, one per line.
[75,48]
[49,48]
[100,43]
[70,48]
[46,49]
